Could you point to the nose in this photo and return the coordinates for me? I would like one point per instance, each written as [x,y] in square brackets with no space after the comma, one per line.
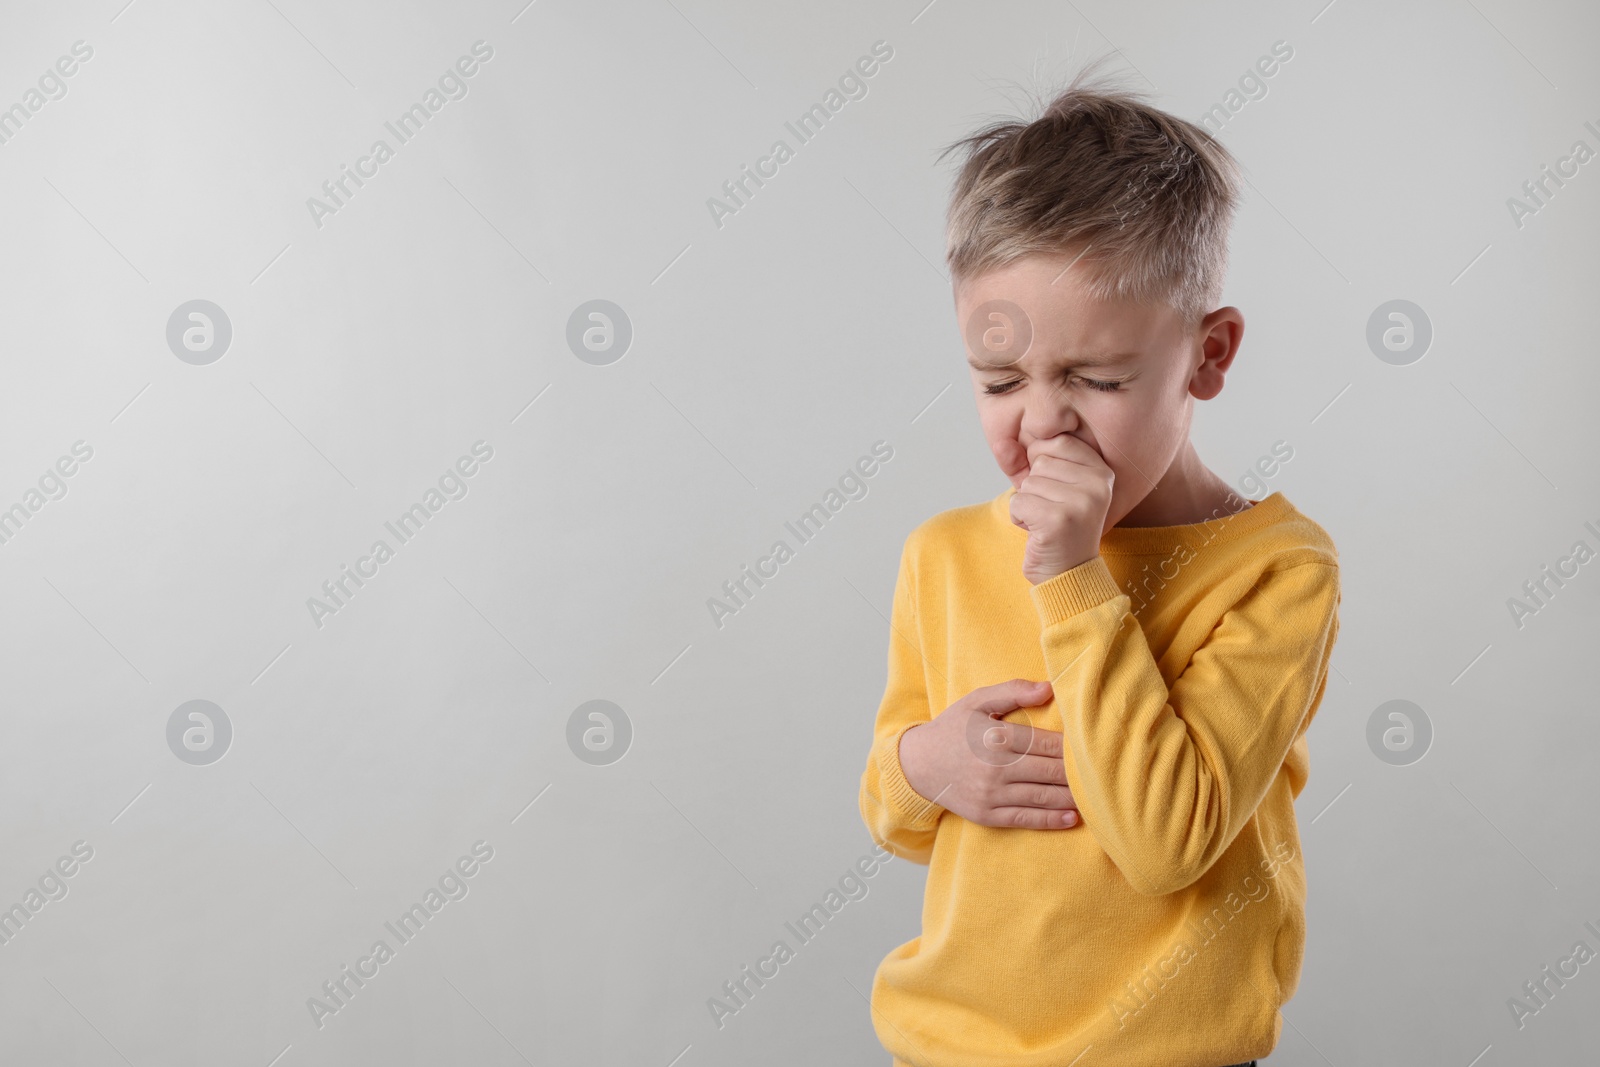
[1048,413]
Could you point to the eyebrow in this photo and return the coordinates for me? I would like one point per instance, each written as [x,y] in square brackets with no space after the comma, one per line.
[1082,361]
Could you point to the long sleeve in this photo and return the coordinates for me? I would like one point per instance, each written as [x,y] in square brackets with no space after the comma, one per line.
[899,818]
[1166,779]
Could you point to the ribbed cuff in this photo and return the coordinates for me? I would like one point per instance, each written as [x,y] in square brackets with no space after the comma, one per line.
[909,806]
[1069,593]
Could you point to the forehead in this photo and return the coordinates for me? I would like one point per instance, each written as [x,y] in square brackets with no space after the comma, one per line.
[1036,309]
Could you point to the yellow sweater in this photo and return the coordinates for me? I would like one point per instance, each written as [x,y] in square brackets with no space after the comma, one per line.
[1166,929]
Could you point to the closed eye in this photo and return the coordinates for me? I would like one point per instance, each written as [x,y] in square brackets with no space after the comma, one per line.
[1001,388]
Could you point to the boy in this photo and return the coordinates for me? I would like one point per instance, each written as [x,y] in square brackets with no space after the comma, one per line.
[1100,681]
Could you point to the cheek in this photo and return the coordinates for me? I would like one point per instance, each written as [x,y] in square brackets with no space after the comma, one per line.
[1142,425]
[999,424]
[1000,430]
[1126,445]
[1146,437]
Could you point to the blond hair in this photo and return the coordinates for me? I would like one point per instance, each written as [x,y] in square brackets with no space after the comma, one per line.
[1145,200]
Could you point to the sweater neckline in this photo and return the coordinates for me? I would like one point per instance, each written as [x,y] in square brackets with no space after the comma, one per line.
[1272,508]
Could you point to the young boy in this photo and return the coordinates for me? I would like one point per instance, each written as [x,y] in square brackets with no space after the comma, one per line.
[1100,681]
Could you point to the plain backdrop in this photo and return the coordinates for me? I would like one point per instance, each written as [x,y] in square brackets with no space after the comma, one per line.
[374,345]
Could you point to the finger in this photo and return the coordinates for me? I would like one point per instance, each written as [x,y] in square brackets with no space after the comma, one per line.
[1024,752]
[1083,456]
[1009,696]
[1035,795]
[1063,446]
[1033,819]
[1039,500]
[1080,465]
[1049,471]
[1023,737]
[1063,470]
[1039,770]
[991,740]
[1046,743]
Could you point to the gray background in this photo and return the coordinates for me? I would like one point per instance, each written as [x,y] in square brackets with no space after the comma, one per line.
[768,355]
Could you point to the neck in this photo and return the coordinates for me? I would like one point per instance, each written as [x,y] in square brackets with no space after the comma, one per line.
[1187,493]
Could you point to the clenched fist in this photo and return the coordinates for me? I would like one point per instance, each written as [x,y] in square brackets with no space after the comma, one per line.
[1062,503]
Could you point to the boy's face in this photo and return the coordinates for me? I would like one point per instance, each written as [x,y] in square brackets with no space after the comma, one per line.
[1120,377]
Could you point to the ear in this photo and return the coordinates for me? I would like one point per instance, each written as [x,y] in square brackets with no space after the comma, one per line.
[1217,339]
